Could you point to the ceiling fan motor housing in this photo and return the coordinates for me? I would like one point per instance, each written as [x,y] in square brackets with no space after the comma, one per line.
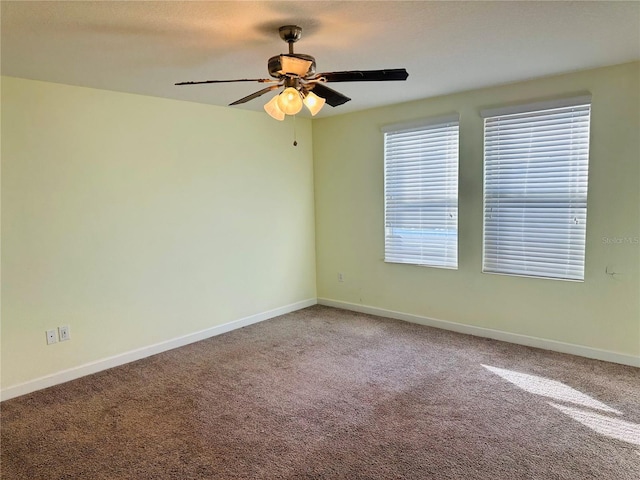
[276,68]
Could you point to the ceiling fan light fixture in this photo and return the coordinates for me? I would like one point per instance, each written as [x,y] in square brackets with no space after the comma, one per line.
[314,103]
[271,107]
[296,72]
[289,101]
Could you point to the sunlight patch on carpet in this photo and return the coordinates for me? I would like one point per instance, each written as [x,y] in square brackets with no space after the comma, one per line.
[607,426]
[550,388]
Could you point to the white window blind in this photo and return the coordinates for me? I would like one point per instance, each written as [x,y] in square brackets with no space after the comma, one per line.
[421,193]
[535,191]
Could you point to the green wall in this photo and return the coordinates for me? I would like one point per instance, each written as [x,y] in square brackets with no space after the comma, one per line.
[136,220]
[603,312]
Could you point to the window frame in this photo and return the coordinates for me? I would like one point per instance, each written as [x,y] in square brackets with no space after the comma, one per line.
[532,110]
[449,261]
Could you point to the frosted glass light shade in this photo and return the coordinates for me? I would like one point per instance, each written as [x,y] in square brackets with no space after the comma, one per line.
[314,103]
[271,107]
[294,65]
[290,101]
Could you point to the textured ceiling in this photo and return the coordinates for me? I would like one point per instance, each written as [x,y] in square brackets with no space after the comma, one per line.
[145,47]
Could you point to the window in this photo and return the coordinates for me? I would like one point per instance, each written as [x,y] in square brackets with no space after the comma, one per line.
[421,193]
[535,189]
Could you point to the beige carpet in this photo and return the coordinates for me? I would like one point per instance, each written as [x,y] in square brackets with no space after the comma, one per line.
[328,394]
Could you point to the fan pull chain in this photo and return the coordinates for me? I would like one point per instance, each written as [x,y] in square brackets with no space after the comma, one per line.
[295,141]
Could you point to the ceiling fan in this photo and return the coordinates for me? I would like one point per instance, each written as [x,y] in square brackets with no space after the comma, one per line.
[296,73]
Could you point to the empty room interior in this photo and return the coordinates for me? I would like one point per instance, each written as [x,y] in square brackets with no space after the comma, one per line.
[317,239]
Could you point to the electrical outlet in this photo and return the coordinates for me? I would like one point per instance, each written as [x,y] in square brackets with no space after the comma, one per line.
[51,337]
[340,277]
[64,332]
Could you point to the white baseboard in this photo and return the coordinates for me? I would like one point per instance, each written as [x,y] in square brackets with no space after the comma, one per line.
[542,343]
[133,355]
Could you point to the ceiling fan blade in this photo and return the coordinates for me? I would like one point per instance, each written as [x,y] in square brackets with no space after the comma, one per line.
[365,75]
[260,80]
[332,97]
[255,95]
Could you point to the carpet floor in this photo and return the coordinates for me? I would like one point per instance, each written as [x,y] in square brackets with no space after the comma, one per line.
[324,393]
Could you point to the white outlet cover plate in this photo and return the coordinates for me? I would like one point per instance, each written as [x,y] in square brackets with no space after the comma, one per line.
[64,332]
[51,337]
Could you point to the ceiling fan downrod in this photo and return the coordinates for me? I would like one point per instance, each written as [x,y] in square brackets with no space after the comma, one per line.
[290,34]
